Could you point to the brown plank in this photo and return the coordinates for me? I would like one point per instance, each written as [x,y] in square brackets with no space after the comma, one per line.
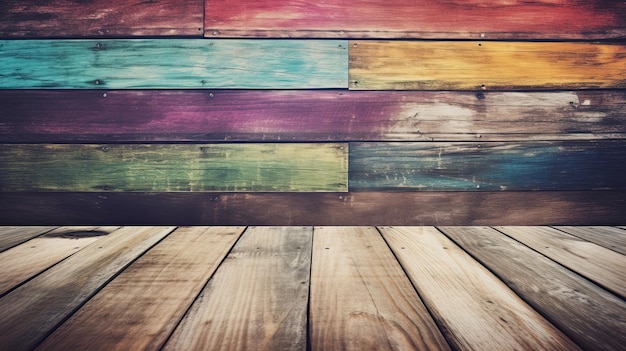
[586,313]
[22,262]
[366,208]
[598,264]
[360,297]
[30,312]
[139,309]
[257,298]
[100,18]
[476,309]
[303,115]
[609,237]
[14,235]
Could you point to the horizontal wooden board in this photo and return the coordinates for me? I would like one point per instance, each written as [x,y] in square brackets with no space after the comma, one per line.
[364,208]
[425,19]
[307,115]
[173,167]
[474,65]
[96,18]
[170,64]
[584,165]
[11,236]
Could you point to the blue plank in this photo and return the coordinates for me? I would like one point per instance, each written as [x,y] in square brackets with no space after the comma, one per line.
[173,64]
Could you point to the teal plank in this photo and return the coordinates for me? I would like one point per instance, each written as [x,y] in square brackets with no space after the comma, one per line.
[173,64]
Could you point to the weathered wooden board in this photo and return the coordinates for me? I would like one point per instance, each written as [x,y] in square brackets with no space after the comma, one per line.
[11,236]
[589,315]
[476,309]
[473,65]
[609,237]
[257,299]
[308,115]
[174,167]
[428,166]
[25,261]
[417,19]
[106,18]
[361,208]
[169,64]
[140,308]
[598,264]
[360,297]
[32,311]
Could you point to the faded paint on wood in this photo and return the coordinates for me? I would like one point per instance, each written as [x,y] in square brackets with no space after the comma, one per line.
[140,308]
[173,167]
[173,64]
[100,18]
[11,236]
[584,165]
[611,238]
[356,208]
[598,264]
[360,297]
[588,314]
[417,19]
[25,261]
[473,65]
[32,311]
[476,309]
[308,115]
[257,298]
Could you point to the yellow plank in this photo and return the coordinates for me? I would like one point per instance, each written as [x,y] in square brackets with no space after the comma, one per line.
[427,65]
[477,310]
[360,297]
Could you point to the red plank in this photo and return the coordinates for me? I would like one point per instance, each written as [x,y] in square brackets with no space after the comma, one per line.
[501,19]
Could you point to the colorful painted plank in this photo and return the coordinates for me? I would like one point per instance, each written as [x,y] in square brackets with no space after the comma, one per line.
[170,64]
[585,312]
[609,237]
[601,207]
[472,65]
[501,19]
[100,18]
[258,297]
[361,299]
[173,167]
[11,236]
[584,165]
[307,115]
[140,308]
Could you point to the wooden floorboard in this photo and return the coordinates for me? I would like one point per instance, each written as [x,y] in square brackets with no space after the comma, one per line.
[311,288]
[611,238]
[14,235]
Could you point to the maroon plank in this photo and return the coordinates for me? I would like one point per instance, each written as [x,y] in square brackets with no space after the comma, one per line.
[368,208]
[100,18]
[501,19]
[251,115]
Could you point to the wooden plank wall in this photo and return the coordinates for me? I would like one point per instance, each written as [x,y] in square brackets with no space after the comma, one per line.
[335,113]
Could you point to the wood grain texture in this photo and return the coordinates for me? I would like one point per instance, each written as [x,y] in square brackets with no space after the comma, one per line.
[472,65]
[174,167]
[100,18]
[32,311]
[11,236]
[360,297]
[362,208]
[584,165]
[417,19]
[609,237]
[258,297]
[589,315]
[308,115]
[25,261]
[173,64]
[140,308]
[596,263]
[476,309]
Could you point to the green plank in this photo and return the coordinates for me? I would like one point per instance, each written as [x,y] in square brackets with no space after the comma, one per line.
[173,63]
[173,167]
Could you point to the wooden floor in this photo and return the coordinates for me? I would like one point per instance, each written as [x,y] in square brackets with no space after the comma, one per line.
[315,288]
